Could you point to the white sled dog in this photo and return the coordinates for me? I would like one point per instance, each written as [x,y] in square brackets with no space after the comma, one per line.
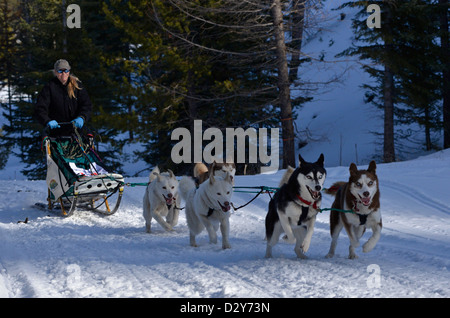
[161,200]
[202,172]
[294,207]
[360,194]
[208,207]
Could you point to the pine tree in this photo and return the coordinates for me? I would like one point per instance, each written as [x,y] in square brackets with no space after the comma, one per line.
[43,38]
[419,70]
[443,12]
[9,19]
[191,66]
[404,64]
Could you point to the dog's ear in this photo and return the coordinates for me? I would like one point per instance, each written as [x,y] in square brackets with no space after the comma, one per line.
[353,169]
[320,160]
[229,177]
[211,168]
[211,179]
[372,167]
[301,160]
[171,174]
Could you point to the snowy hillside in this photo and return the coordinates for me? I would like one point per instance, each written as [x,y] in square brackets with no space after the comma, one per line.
[89,255]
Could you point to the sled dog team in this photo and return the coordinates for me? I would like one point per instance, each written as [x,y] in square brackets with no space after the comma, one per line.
[292,210]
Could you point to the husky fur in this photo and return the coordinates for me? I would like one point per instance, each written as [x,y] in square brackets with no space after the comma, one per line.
[161,200]
[202,173]
[294,207]
[208,207]
[360,194]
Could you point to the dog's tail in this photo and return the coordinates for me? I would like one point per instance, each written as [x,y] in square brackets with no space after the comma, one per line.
[155,172]
[199,169]
[286,176]
[334,188]
[186,185]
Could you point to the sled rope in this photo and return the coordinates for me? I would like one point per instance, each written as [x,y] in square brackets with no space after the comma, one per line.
[135,184]
[338,210]
[273,190]
[263,189]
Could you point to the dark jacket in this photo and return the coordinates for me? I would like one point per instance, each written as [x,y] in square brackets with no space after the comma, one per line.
[54,103]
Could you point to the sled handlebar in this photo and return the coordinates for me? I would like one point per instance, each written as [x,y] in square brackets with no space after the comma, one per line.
[64,123]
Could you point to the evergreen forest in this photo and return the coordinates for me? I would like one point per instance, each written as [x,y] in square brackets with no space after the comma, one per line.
[151,66]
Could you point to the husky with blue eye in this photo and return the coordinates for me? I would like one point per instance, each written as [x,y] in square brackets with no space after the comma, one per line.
[208,206]
[294,207]
[361,195]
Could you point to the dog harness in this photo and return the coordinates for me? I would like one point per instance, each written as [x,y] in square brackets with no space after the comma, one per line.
[362,217]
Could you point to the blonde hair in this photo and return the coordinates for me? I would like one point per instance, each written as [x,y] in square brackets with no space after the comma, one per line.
[72,85]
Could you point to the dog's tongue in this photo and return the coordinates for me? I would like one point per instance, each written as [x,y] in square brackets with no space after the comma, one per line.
[168,200]
[226,208]
[365,201]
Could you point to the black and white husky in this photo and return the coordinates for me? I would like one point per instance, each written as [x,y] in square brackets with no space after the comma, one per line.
[361,195]
[208,207]
[161,200]
[294,207]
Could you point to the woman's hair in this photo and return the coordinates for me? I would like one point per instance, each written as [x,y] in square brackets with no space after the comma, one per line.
[72,85]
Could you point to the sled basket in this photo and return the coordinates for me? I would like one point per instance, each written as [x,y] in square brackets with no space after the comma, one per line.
[76,176]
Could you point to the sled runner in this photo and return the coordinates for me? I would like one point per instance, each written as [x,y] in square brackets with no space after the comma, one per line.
[76,177]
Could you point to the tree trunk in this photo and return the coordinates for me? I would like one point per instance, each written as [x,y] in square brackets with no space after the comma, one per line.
[446,71]
[427,128]
[284,97]
[389,149]
[298,21]
[388,92]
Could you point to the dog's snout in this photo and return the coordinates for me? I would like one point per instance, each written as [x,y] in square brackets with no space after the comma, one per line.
[366,193]
[318,188]
[226,203]
[169,195]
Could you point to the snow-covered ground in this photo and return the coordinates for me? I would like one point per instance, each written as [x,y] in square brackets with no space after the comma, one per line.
[90,255]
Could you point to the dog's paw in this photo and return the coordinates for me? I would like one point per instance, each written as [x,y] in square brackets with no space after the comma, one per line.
[367,247]
[329,255]
[352,256]
[226,246]
[300,254]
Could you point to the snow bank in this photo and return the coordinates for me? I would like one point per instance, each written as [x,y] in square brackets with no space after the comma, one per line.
[90,255]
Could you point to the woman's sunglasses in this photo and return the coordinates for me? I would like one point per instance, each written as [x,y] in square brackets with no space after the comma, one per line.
[65,71]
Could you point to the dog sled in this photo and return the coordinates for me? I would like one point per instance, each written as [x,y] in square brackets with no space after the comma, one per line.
[76,177]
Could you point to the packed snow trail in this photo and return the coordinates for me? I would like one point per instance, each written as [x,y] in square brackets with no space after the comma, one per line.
[90,255]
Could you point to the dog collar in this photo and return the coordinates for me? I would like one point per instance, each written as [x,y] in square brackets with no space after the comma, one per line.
[307,202]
